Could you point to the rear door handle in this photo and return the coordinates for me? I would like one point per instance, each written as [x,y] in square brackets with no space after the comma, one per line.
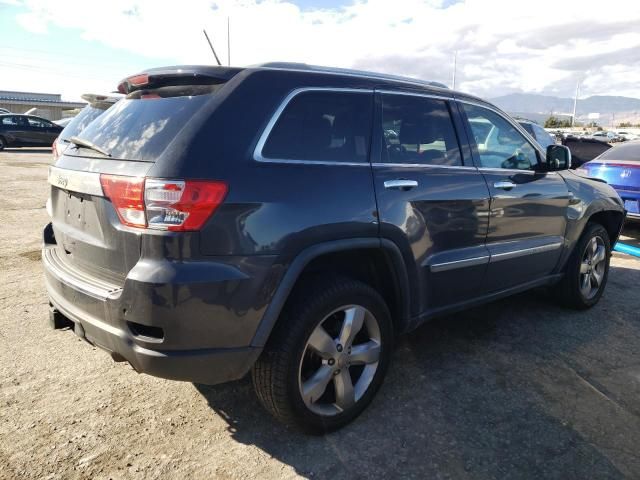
[400,184]
[504,185]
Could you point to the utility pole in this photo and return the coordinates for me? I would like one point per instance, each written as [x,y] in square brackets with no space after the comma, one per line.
[455,67]
[575,104]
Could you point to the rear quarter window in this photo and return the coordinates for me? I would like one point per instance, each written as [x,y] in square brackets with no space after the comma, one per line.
[323,126]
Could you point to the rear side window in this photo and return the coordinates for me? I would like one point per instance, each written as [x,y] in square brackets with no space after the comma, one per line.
[38,123]
[143,124]
[323,126]
[418,130]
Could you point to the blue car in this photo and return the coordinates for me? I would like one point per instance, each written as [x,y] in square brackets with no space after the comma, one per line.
[620,167]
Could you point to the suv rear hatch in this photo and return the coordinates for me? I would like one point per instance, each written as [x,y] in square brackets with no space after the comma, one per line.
[101,201]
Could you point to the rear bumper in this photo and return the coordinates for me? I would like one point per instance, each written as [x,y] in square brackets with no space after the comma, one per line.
[207,366]
[200,341]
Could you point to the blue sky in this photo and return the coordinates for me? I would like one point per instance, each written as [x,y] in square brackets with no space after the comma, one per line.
[63,56]
[78,46]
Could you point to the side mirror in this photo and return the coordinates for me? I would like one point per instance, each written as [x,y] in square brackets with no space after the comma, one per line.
[558,158]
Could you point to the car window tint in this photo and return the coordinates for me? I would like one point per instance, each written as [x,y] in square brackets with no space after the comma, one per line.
[528,127]
[543,137]
[499,144]
[143,124]
[9,121]
[418,130]
[323,126]
[36,122]
[78,123]
[627,152]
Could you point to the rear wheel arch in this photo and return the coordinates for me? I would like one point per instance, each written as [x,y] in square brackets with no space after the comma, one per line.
[378,264]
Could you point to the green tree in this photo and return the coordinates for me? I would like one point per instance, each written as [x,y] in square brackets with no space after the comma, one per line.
[555,122]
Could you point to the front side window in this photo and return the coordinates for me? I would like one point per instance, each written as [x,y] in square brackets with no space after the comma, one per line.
[323,126]
[499,144]
[543,137]
[418,130]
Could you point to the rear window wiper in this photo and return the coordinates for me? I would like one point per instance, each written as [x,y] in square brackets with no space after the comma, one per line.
[87,144]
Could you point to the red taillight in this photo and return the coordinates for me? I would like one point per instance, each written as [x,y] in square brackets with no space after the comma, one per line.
[176,205]
[54,150]
[181,205]
[127,196]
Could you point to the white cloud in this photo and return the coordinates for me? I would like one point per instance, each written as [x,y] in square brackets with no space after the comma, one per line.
[504,46]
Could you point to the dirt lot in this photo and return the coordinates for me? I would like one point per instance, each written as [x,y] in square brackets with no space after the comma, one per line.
[517,389]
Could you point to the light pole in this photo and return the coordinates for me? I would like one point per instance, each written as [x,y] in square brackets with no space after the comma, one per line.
[575,104]
[455,67]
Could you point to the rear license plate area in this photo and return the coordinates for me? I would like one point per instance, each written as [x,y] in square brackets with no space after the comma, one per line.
[632,206]
[74,209]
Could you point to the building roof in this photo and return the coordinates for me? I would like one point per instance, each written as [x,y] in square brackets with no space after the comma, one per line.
[37,99]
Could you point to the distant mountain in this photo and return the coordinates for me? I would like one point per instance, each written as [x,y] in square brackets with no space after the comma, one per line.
[523,103]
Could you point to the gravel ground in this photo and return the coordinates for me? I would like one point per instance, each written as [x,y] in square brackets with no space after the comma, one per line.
[516,389]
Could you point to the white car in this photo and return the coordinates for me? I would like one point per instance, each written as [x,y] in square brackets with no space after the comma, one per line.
[628,135]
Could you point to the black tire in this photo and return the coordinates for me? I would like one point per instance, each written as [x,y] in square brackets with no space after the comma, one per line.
[568,289]
[277,376]
[3,143]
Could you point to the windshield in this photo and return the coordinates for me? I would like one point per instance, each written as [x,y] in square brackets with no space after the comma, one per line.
[78,123]
[627,152]
[143,124]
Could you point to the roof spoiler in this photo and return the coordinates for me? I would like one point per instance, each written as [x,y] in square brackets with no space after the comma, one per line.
[97,98]
[174,76]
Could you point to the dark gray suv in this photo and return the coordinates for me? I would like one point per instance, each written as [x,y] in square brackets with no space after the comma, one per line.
[290,221]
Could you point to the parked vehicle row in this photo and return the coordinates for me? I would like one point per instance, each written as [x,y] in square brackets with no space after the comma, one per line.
[290,221]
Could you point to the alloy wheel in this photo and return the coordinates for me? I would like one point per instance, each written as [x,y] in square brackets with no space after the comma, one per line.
[340,360]
[593,267]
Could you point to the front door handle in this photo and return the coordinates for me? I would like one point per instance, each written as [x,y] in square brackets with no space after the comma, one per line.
[400,184]
[504,185]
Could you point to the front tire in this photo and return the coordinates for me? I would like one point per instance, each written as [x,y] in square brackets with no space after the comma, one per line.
[3,143]
[587,270]
[327,356]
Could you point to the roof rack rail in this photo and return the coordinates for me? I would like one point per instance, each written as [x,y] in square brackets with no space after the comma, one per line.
[347,71]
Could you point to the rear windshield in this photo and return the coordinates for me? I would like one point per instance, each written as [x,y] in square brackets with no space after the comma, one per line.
[626,151]
[141,126]
[78,123]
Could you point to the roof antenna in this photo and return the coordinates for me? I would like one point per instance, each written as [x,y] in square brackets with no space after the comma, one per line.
[211,45]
